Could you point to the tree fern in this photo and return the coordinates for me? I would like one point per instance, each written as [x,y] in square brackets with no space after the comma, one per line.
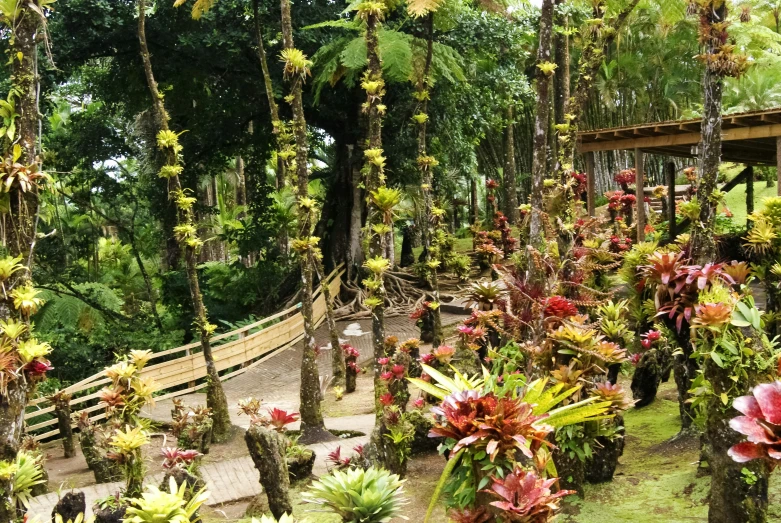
[396,54]
[71,311]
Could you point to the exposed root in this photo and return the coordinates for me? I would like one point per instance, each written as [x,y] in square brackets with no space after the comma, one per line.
[402,297]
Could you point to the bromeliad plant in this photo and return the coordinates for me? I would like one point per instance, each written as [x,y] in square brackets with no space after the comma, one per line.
[174,505]
[359,496]
[493,427]
[125,433]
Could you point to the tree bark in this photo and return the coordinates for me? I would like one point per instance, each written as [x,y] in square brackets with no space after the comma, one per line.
[267,450]
[732,498]
[215,395]
[561,82]
[272,103]
[703,243]
[539,157]
[337,358]
[21,233]
[312,426]
[427,173]
[510,183]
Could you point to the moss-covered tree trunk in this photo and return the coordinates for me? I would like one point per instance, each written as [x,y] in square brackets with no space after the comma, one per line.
[736,497]
[703,243]
[337,357]
[312,426]
[267,450]
[426,165]
[510,183]
[21,217]
[62,411]
[541,123]
[188,242]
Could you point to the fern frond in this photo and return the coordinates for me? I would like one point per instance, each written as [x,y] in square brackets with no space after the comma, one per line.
[418,8]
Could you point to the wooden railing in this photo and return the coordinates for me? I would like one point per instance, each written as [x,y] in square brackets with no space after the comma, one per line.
[188,367]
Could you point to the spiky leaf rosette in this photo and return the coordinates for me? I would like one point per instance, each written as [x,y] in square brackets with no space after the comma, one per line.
[526,498]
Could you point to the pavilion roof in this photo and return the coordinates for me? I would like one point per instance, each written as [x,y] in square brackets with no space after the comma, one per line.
[749,138]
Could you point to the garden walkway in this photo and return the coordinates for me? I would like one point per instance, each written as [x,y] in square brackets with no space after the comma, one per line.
[276,382]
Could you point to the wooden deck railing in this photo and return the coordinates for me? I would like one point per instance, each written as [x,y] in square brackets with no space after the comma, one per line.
[188,367]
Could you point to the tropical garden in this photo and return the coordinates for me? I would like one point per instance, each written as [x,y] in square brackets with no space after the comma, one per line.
[204,202]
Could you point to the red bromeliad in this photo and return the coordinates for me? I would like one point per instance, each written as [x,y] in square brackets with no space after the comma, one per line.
[526,498]
[278,418]
[500,426]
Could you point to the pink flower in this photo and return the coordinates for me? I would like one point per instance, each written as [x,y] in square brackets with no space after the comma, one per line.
[387,399]
[761,423]
[646,344]
[425,377]
[466,330]
[635,359]
[386,376]
[652,335]
[399,371]
[427,358]
[419,403]
[383,361]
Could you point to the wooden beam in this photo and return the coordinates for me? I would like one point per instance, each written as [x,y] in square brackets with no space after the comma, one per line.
[737,121]
[643,131]
[640,195]
[773,118]
[690,126]
[590,186]
[666,129]
[740,133]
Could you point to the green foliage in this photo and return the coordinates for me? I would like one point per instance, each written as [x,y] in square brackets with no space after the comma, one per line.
[160,506]
[361,496]
[28,474]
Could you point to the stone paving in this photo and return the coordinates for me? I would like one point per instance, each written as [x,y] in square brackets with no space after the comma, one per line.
[275,381]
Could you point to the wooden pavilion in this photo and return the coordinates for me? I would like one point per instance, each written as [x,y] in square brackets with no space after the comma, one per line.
[751,138]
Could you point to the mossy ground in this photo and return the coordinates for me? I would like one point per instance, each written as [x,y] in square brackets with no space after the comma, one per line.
[656,480]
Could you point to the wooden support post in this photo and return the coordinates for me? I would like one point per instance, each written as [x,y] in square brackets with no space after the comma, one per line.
[671,199]
[590,188]
[640,195]
[778,165]
[749,193]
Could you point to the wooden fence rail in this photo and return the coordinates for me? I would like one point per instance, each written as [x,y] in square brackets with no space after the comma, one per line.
[247,351]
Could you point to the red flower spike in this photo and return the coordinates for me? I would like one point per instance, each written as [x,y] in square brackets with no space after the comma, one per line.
[278,418]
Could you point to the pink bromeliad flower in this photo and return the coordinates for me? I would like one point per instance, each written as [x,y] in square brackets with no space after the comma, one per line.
[760,423]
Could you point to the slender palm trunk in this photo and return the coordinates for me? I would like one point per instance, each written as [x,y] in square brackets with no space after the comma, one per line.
[510,183]
[426,167]
[541,121]
[337,358]
[272,103]
[312,426]
[215,395]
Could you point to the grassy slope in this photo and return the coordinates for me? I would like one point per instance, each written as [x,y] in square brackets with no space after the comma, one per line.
[656,480]
[736,199]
